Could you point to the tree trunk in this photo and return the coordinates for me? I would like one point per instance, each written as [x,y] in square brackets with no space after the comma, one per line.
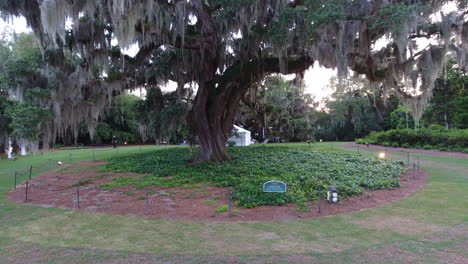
[406,117]
[207,124]
[445,119]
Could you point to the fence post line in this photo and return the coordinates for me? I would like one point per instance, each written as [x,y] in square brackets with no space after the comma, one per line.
[70,158]
[15,181]
[414,171]
[229,202]
[418,163]
[319,199]
[407,154]
[78,196]
[93,156]
[147,203]
[368,187]
[30,171]
[26,190]
[49,164]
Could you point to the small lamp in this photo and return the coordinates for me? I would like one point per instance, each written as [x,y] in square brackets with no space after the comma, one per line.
[382,155]
[320,140]
[125,143]
[332,194]
[59,163]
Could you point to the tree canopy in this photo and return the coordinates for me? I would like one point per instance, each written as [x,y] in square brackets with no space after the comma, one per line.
[225,47]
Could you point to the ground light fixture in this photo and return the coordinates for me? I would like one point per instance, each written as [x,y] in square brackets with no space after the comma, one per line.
[332,194]
[59,163]
[320,140]
[382,155]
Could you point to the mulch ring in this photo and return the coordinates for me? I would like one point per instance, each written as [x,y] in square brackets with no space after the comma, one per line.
[191,202]
[410,150]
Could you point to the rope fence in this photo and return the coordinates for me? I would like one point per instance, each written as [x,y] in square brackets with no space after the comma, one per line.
[81,189]
[24,176]
[407,157]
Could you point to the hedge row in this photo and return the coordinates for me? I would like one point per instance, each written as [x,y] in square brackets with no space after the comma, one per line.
[441,139]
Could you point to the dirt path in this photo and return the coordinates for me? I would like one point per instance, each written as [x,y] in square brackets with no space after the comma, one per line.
[417,151]
[194,202]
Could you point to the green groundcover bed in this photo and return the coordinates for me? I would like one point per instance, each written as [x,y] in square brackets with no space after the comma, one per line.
[307,173]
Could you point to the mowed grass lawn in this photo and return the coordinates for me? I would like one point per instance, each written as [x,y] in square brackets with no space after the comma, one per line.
[430,226]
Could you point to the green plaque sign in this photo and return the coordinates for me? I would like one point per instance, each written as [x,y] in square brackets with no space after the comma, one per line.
[274,186]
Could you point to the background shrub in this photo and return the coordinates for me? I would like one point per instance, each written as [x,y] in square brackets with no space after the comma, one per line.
[436,137]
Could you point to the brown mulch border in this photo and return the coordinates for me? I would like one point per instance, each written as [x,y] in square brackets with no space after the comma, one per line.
[190,203]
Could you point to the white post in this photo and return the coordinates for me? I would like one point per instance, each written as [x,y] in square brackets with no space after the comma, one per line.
[24,152]
[10,149]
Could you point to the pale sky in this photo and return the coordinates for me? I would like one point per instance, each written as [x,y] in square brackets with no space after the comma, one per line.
[316,78]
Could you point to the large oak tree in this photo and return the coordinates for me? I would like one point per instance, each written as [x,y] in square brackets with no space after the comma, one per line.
[226,46]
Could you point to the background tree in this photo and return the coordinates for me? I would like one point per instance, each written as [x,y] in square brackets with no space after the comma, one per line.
[279,111]
[163,116]
[30,115]
[354,110]
[5,130]
[401,118]
[120,121]
[449,105]
[5,120]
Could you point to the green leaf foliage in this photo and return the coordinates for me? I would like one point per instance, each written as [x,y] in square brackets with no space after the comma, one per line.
[434,138]
[307,173]
[391,16]
[26,120]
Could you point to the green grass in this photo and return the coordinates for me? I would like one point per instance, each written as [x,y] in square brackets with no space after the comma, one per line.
[221,209]
[130,193]
[433,222]
[211,202]
[307,173]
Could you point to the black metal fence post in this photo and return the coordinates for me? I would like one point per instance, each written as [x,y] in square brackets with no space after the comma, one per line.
[78,196]
[26,191]
[368,187]
[147,203]
[229,202]
[414,171]
[319,199]
[30,172]
[15,181]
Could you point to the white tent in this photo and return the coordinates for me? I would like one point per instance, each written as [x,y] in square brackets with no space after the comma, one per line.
[240,136]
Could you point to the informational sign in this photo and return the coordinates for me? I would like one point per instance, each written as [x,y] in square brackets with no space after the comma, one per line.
[274,186]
